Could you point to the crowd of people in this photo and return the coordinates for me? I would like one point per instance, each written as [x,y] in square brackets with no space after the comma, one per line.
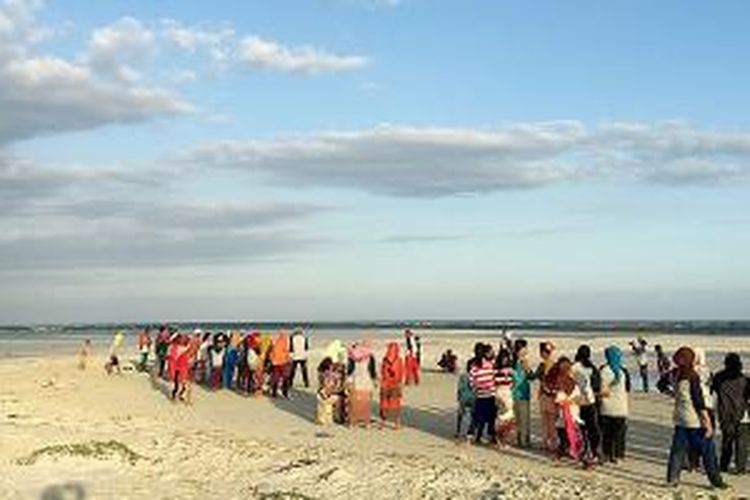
[583,408]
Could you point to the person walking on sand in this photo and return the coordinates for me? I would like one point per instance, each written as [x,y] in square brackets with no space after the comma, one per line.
[362,379]
[300,347]
[732,390]
[613,405]
[639,347]
[391,385]
[144,347]
[692,424]
[482,377]
[587,378]
[84,354]
[522,376]
[547,394]
[281,362]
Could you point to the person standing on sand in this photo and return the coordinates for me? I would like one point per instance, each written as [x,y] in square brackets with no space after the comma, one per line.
[391,385]
[522,376]
[568,421]
[231,357]
[161,348]
[362,379]
[693,428]
[732,389]
[613,405]
[281,363]
[663,364]
[114,354]
[178,364]
[300,350]
[547,407]
[338,355]
[216,361]
[466,399]
[84,354]
[505,422]
[144,347]
[482,377]
[588,380]
[412,359]
[327,395]
[639,348]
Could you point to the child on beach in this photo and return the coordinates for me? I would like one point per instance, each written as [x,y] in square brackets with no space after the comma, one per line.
[505,423]
[465,397]
[84,354]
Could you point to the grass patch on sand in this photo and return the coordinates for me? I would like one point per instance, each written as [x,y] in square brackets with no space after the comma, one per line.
[98,450]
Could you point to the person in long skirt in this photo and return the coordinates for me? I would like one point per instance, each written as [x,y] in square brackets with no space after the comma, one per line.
[391,385]
[362,376]
[281,364]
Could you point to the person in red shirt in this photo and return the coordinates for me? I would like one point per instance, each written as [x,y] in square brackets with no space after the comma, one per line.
[482,377]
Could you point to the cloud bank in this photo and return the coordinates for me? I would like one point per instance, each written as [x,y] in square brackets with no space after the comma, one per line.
[433,162]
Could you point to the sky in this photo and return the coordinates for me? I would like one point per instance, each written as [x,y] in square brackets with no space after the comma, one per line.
[373,159]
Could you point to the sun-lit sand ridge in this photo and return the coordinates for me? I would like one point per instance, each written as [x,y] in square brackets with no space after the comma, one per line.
[64,431]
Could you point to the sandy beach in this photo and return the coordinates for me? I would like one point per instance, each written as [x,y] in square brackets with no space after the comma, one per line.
[68,433]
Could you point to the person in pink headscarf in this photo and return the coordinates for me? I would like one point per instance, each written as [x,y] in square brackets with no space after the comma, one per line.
[362,378]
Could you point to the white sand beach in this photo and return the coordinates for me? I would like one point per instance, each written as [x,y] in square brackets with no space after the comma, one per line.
[66,433]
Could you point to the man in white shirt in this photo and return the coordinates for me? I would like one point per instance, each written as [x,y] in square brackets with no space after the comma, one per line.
[300,348]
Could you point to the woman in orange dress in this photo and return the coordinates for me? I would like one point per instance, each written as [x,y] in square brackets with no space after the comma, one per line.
[281,363]
[391,385]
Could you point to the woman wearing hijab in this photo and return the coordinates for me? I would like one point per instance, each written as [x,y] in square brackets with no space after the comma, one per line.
[568,419]
[613,406]
[264,349]
[547,407]
[587,379]
[692,424]
[391,382]
[362,376]
[337,353]
[281,362]
[732,391]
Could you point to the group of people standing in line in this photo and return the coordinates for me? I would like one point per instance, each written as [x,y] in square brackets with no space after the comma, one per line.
[251,363]
[584,408]
[348,378]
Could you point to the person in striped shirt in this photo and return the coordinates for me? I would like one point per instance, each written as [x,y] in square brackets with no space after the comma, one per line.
[482,378]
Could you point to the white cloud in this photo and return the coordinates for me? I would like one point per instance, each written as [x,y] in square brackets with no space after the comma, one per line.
[410,161]
[270,54]
[116,49]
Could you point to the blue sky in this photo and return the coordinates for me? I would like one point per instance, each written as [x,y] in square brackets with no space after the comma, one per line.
[363,159]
